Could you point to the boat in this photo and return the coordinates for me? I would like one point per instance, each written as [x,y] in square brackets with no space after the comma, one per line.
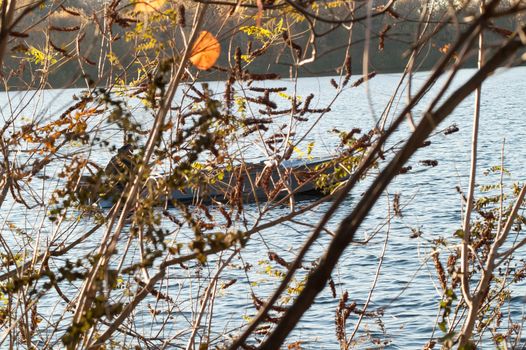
[242,184]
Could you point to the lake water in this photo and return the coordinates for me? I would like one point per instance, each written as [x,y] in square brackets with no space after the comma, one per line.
[407,290]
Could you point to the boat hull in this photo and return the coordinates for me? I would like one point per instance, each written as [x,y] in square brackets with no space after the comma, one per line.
[243,184]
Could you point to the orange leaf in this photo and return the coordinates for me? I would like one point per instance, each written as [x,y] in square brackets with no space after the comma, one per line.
[148,5]
[259,4]
[206,51]
[444,49]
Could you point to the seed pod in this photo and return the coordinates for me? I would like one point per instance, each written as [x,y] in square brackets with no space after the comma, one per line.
[333,287]
[88,61]
[260,89]
[392,13]
[251,121]
[440,270]
[501,31]
[59,49]
[342,314]
[275,112]
[255,128]
[306,104]
[18,34]
[262,101]
[20,48]
[451,129]
[237,57]
[259,77]
[396,205]
[64,29]
[382,37]
[275,257]
[348,70]
[425,144]
[405,170]
[362,79]
[258,303]
[229,92]
[429,162]
[70,11]
[229,283]
[181,16]
[261,50]
[223,212]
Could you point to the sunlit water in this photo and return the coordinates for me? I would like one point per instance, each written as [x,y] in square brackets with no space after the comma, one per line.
[407,290]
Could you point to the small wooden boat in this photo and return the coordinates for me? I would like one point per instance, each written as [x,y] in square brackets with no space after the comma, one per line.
[259,182]
[247,183]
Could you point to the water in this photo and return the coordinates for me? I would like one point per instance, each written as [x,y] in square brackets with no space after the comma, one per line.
[407,290]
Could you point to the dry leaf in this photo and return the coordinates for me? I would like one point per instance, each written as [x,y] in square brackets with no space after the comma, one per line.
[206,51]
[259,4]
[148,5]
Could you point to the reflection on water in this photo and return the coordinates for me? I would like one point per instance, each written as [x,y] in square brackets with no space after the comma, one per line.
[407,291]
